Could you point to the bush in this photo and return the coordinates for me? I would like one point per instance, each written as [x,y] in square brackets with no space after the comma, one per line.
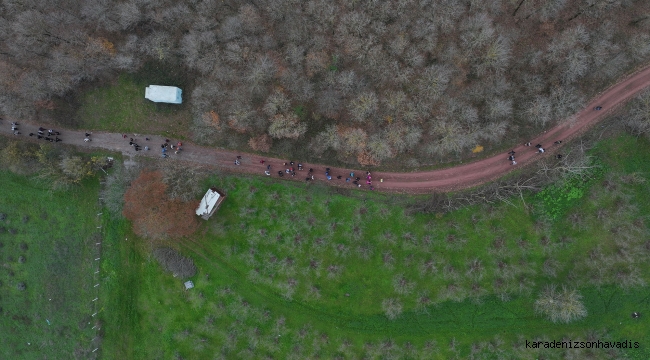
[557,199]
[639,123]
[564,306]
[19,157]
[71,170]
[392,308]
[175,263]
[114,189]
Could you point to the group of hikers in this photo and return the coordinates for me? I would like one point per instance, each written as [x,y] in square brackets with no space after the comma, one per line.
[52,135]
[177,148]
[289,169]
[540,150]
[164,146]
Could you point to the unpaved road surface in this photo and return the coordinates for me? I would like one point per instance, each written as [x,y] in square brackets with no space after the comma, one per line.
[449,179]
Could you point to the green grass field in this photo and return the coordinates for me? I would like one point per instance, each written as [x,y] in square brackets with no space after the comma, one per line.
[297,271]
[47,242]
[121,107]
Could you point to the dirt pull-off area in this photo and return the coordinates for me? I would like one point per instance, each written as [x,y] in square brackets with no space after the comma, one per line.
[454,178]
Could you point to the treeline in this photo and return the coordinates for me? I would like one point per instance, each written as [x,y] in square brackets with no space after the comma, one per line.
[368,80]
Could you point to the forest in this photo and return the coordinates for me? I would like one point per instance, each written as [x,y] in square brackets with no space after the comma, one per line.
[368,82]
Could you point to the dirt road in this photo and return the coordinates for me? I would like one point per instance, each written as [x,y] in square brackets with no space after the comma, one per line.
[455,178]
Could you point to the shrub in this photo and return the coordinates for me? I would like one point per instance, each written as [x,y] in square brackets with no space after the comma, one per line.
[639,123]
[557,199]
[175,263]
[560,306]
[402,285]
[19,157]
[392,308]
[71,170]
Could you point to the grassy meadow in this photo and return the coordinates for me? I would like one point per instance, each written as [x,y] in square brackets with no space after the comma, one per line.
[121,107]
[47,248]
[293,271]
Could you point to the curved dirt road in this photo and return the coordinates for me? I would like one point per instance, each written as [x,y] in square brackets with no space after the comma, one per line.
[454,178]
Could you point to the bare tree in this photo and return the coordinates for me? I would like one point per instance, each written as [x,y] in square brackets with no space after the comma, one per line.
[276,103]
[539,110]
[639,121]
[392,308]
[562,306]
[128,15]
[363,106]
[287,126]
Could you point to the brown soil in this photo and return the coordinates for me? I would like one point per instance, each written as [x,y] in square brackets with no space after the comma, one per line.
[450,179]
